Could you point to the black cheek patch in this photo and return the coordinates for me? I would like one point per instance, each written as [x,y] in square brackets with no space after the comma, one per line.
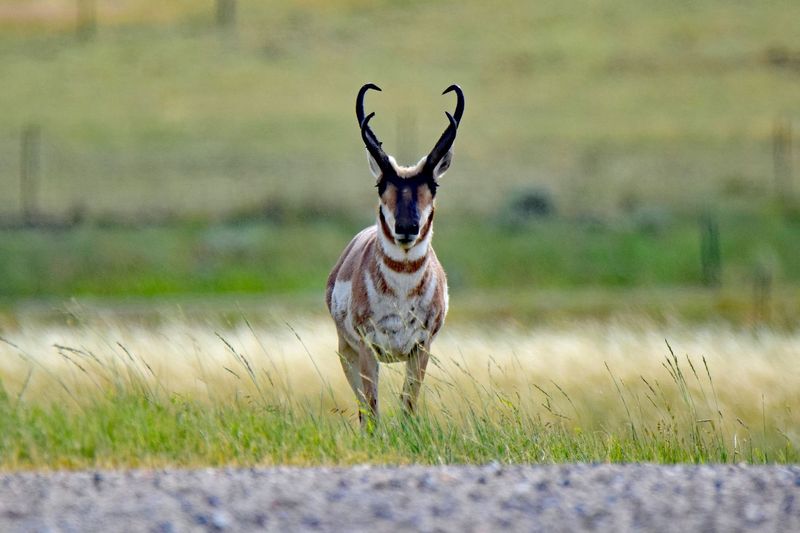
[432,185]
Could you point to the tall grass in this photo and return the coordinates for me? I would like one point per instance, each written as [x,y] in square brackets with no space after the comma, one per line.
[104,392]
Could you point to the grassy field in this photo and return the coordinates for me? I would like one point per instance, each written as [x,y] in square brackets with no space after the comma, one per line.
[270,256]
[631,121]
[192,186]
[102,391]
[601,105]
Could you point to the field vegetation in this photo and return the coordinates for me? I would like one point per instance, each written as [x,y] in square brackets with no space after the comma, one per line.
[104,392]
[173,192]
[520,271]
[178,157]
[601,106]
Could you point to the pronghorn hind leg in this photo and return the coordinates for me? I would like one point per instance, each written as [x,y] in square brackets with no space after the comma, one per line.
[368,365]
[415,373]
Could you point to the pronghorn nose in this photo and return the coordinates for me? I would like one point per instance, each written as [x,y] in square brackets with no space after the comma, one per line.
[406,228]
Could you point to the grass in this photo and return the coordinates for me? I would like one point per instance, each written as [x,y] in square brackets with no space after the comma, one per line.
[632,119]
[270,256]
[105,392]
[601,105]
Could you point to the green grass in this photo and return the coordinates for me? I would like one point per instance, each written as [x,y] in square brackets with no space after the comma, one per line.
[512,263]
[136,431]
[167,260]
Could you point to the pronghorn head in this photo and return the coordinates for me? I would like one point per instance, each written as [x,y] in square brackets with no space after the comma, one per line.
[407,193]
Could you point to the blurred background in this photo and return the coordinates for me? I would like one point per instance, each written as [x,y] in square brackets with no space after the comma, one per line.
[615,157]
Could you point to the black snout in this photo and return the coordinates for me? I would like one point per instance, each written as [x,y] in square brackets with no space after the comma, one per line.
[406,217]
[406,228]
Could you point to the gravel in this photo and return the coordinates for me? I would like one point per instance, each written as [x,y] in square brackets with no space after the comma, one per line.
[414,498]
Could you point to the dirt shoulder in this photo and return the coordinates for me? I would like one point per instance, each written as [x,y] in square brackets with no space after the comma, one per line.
[415,498]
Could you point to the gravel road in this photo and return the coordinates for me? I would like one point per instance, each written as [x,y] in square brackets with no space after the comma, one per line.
[415,498]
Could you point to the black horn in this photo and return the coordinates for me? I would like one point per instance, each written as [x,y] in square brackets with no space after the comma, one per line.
[370,139]
[459,102]
[445,142]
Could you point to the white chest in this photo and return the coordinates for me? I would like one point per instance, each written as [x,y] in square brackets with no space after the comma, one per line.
[398,319]
[395,321]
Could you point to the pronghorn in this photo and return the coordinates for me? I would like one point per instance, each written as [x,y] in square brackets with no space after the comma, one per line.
[387,293]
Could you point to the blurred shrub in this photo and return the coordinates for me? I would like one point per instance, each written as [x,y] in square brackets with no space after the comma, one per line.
[528,204]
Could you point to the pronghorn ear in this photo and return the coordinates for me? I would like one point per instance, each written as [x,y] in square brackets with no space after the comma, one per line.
[443,164]
[373,166]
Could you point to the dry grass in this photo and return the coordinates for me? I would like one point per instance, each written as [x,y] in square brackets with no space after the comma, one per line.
[598,376]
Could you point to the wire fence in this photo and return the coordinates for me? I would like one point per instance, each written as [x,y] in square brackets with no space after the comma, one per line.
[56,185]
[48,179]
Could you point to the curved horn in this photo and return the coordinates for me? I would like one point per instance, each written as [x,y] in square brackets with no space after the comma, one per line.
[370,139]
[372,144]
[360,109]
[360,100]
[459,101]
[447,139]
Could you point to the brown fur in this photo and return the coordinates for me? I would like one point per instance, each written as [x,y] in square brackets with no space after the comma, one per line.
[359,264]
[387,294]
[404,267]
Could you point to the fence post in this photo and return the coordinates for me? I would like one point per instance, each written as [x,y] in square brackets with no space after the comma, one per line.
[226,13]
[30,164]
[762,293]
[710,254]
[782,159]
[86,20]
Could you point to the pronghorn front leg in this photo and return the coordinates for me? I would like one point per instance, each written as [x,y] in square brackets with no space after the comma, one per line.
[368,365]
[352,369]
[415,373]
